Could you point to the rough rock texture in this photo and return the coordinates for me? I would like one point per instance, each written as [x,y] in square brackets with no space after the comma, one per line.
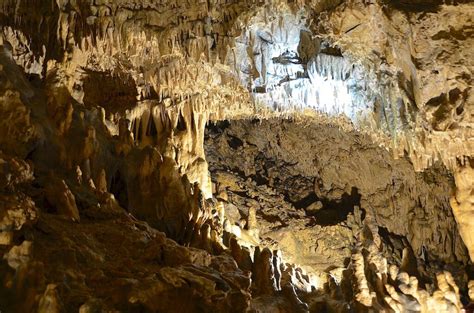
[112,262]
[463,202]
[106,200]
[407,68]
[425,68]
[311,195]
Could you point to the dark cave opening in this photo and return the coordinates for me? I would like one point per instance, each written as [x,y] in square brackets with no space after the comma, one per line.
[305,202]
[395,242]
[260,179]
[151,128]
[215,129]
[332,212]
[118,187]
[181,123]
[235,142]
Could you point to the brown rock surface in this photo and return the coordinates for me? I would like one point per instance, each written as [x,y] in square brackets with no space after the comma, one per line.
[282,176]
[236,156]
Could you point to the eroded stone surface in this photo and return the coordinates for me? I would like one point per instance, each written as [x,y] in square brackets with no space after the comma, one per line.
[289,169]
[106,200]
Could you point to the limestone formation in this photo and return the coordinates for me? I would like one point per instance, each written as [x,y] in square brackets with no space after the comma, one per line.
[286,187]
[236,156]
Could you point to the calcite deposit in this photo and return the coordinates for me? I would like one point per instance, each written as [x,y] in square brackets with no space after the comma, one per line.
[236,156]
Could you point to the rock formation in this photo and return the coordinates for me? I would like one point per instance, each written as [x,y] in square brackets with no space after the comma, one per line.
[236,156]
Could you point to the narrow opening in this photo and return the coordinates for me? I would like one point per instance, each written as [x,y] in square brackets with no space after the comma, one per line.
[181,123]
[151,128]
[235,142]
[118,187]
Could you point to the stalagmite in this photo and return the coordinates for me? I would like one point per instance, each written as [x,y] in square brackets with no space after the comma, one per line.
[62,199]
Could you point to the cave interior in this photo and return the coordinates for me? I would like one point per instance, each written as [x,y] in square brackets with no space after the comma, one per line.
[236,156]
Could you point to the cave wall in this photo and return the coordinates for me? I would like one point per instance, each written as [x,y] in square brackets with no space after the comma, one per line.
[103,113]
[416,62]
[330,166]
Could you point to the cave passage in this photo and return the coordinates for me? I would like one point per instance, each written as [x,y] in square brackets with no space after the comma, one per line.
[336,174]
[312,186]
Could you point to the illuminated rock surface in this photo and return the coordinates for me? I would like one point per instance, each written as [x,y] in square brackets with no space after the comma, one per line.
[236,156]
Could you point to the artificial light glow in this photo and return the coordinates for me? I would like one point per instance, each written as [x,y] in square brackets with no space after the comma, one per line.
[268,61]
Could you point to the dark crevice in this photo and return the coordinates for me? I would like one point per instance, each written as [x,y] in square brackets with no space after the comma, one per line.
[259,89]
[235,142]
[273,219]
[397,244]
[118,187]
[241,194]
[215,129]
[327,48]
[151,128]
[218,127]
[334,212]
[305,202]
[181,123]
[394,241]
[139,130]
[260,179]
